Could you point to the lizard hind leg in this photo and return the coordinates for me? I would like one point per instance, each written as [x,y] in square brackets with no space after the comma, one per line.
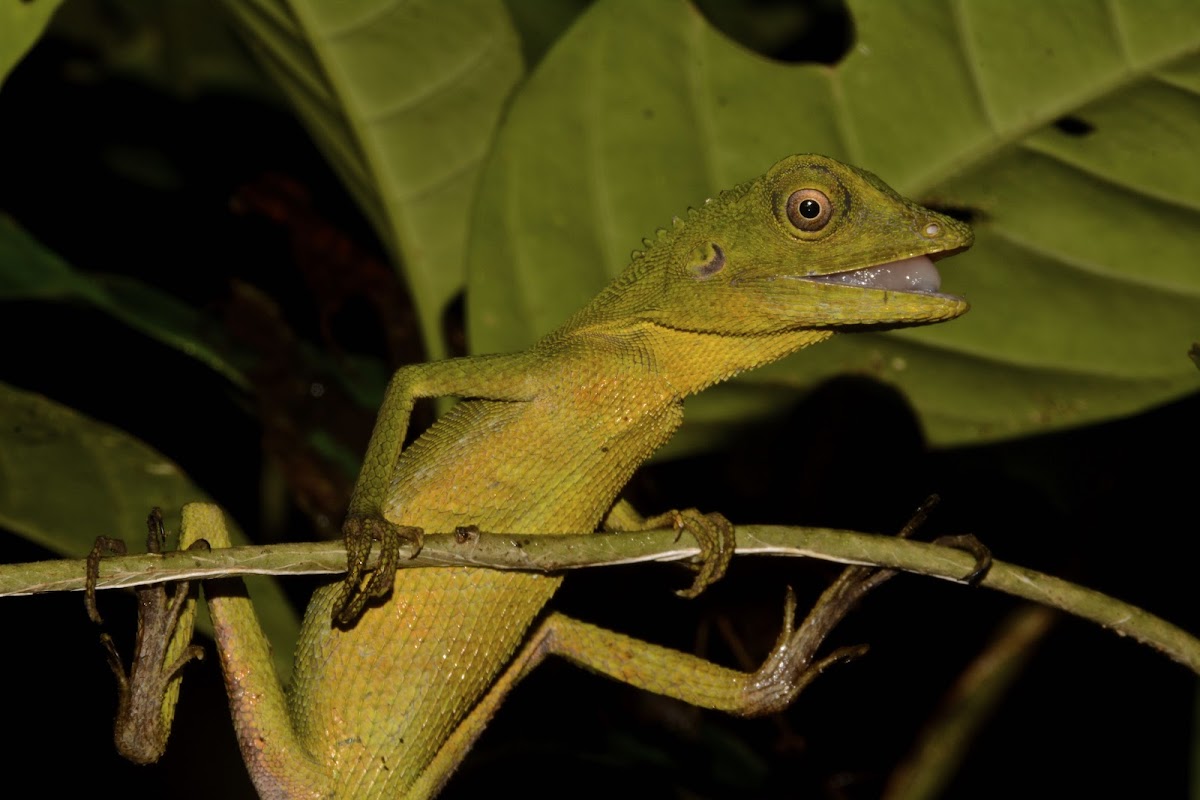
[279,763]
[789,668]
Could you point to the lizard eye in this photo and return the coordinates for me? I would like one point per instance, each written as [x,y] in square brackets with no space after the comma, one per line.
[809,209]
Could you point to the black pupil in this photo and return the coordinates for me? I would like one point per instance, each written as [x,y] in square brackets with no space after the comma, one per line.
[810,209]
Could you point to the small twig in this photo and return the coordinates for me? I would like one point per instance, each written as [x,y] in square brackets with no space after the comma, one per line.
[547,553]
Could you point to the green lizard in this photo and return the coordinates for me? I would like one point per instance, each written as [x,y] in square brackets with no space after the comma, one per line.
[543,442]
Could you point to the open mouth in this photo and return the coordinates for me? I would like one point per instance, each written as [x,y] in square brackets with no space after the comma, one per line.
[913,275]
[917,275]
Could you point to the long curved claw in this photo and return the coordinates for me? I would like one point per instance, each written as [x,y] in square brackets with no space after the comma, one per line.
[969,543]
[103,546]
[966,542]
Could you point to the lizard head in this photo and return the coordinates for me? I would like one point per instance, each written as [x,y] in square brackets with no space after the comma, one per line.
[812,244]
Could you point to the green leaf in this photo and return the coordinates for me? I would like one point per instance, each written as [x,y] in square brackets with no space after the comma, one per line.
[1083,280]
[105,483]
[185,48]
[21,23]
[28,271]
[402,97]
[539,24]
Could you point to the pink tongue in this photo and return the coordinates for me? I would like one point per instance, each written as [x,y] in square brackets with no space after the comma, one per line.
[910,275]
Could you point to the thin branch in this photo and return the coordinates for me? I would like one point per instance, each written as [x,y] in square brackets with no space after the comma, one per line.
[548,553]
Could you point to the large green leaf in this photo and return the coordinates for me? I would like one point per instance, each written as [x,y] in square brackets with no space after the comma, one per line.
[184,48]
[28,271]
[403,97]
[1068,131]
[104,483]
[21,23]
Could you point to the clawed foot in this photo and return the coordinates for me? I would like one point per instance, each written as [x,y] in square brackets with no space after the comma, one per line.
[362,585]
[162,648]
[715,536]
[793,664]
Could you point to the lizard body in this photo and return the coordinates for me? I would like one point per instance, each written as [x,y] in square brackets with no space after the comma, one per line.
[544,441]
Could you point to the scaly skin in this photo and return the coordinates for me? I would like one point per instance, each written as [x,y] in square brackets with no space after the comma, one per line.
[544,443]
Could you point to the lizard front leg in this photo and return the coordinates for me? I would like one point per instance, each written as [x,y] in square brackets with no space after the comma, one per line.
[497,377]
